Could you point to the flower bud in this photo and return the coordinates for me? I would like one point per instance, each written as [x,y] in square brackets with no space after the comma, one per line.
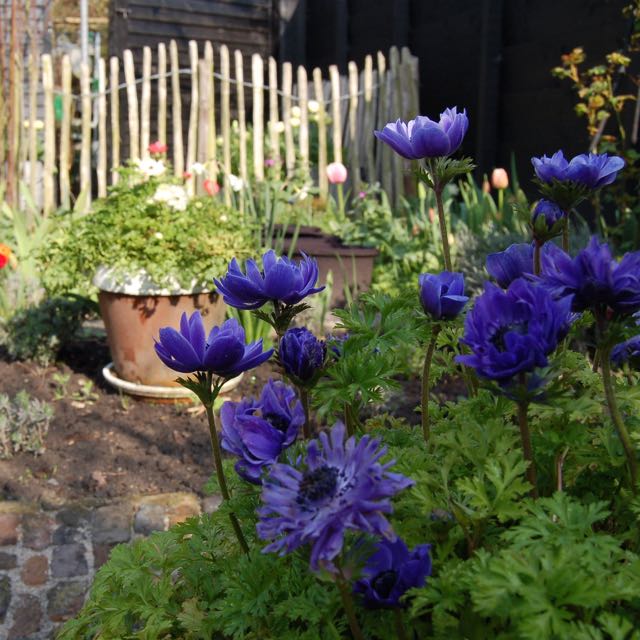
[499,179]
[547,220]
[337,173]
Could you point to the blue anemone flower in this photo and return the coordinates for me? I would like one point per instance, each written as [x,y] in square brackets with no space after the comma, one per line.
[302,355]
[628,351]
[281,280]
[442,295]
[223,352]
[590,170]
[258,431]
[391,571]
[594,278]
[424,138]
[341,486]
[511,332]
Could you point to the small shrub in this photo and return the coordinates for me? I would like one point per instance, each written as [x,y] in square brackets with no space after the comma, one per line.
[24,422]
[39,332]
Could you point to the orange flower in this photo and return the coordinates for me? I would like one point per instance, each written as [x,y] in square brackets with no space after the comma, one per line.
[5,255]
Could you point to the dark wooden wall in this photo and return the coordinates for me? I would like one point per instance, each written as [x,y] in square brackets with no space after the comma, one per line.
[491,56]
[247,25]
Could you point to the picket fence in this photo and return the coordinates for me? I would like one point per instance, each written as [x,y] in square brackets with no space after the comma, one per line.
[117,119]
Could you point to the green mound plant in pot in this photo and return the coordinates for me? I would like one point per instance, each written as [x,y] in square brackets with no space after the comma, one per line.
[149,251]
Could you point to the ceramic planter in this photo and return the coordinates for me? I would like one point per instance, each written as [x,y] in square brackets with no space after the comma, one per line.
[350,266]
[133,314]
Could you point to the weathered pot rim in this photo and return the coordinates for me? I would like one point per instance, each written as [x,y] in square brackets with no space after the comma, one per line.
[140,283]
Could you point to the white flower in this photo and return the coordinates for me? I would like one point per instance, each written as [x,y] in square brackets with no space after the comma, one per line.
[223,218]
[278,127]
[173,195]
[302,194]
[150,168]
[198,168]
[158,235]
[235,182]
[295,122]
[314,106]
[295,111]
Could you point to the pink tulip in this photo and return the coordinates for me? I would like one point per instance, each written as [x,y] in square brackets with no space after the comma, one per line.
[499,179]
[337,173]
[211,187]
[157,147]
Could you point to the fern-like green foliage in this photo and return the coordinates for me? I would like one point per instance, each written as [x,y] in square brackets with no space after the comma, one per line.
[505,565]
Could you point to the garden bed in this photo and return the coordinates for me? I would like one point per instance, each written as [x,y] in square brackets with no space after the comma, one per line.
[103,444]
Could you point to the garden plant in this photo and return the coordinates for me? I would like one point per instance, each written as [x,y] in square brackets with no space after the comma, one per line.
[513,512]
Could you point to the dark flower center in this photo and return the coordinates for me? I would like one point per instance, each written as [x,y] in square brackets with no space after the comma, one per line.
[498,338]
[277,421]
[318,484]
[384,582]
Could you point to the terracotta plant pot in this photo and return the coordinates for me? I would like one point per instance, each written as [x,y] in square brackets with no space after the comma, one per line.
[350,266]
[133,321]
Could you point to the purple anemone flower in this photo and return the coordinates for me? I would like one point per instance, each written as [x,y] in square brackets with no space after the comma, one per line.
[511,332]
[424,138]
[391,571]
[223,353]
[342,486]
[442,295]
[258,431]
[590,170]
[514,262]
[628,351]
[594,278]
[302,355]
[281,280]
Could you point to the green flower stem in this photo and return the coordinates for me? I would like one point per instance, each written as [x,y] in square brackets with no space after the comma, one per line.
[401,632]
[349,422]
[565,233]
[501,203]
[426,427]
[537,265]
[222,481]
[525,436]
[304,398]
[340,191]
[616,417]
[443,229]
[349,608]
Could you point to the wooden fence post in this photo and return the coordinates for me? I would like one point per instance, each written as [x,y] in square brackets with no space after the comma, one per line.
[242,116]
[65,135]
[145,103]
[101,171]
[33,107]
[176,111]
[225,120]
[192,139]
[257,79]
[212,152]
[354,152]
[287,89]
[85,143]
[368,118]
[161,130]
[114,85]
[132,106]
[323,181]
[336,115]
[274,134]
[48,194]
[303,103]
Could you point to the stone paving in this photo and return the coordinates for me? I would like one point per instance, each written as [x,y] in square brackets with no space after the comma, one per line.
[48,557]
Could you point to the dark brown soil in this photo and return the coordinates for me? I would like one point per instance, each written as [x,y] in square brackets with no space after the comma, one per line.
[102,444]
